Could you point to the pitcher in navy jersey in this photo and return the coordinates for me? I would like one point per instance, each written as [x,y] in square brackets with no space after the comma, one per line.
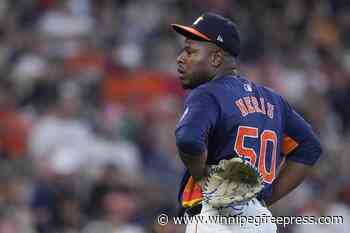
[226,114]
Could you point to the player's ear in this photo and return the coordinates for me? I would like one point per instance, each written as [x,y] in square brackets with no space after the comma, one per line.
[217,58]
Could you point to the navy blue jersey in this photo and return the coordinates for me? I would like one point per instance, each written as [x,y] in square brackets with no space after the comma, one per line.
[233,116]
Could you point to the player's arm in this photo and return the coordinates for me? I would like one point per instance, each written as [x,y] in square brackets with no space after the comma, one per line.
[200,116]
[302,149]
[196,164]
[291,176]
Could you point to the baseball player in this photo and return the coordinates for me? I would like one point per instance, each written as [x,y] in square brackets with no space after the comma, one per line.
[226,114]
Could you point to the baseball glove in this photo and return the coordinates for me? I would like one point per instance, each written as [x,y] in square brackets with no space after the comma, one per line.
[233,181]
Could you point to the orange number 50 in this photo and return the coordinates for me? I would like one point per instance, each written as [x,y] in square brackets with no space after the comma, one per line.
[246,152]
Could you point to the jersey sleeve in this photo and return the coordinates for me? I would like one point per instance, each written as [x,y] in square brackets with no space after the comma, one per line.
[300,143]
[198,120]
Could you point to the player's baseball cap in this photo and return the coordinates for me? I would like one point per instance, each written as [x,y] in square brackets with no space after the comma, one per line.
[213,28]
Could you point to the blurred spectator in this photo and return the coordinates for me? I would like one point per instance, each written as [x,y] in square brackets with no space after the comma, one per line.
[324,206]
[14,128]
[66,20]
[60,128]
[119,207]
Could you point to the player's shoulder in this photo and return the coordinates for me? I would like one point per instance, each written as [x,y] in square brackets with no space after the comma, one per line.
[202,91]
[238,85]
[262,91]
[234,86]
[222,84]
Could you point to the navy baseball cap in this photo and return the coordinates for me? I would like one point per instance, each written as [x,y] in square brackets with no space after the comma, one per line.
[213,28]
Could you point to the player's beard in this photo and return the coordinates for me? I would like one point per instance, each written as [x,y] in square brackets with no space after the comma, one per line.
[194,80]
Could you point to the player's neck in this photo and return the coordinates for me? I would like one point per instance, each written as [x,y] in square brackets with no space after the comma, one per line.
[225,72]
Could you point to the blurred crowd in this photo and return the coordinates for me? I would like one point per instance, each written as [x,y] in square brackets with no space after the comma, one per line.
[89,100]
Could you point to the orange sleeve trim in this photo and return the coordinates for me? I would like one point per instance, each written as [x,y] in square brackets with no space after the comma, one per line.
[191,203]
[288,145]
[192,193]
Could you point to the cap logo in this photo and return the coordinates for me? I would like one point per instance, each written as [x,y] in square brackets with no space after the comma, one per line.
[219,38]
[247,87]
[198,19]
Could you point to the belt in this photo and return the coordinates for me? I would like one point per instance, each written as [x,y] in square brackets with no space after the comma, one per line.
[262,201]
[195,210]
